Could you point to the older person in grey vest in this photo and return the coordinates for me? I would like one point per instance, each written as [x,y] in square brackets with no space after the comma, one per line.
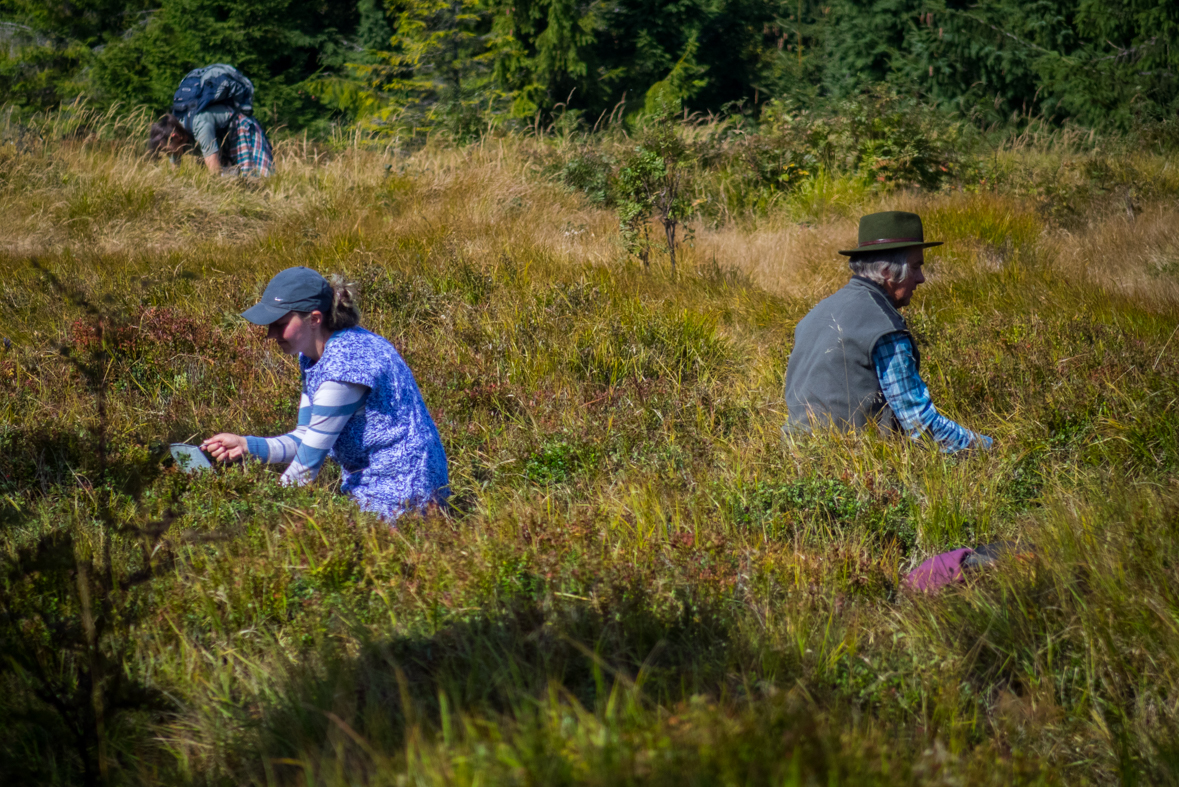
[854,362]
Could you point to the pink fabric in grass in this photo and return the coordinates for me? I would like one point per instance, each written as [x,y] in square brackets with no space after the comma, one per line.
[939,571]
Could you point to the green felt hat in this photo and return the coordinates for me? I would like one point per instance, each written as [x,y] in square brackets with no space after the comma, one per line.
[892,229]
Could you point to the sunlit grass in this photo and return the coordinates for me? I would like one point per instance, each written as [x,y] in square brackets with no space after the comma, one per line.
[642,581]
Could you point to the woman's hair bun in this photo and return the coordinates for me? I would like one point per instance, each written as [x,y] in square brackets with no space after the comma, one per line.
[345,311]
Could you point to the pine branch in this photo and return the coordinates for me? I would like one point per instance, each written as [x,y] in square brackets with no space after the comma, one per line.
[1122,54]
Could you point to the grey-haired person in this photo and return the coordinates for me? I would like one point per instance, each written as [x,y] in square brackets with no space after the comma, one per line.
[854,363]
[360,403]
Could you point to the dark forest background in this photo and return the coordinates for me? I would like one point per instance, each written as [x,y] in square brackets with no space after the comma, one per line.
[463,64]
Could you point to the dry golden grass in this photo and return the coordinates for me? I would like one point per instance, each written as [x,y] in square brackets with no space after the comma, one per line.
[1130,255]
[107,197]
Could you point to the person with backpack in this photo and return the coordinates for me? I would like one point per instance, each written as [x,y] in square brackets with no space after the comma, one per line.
[212,110]
[360,403]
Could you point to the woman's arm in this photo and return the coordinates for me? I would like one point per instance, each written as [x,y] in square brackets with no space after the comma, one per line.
[282,449]
[333,404]
[320,422]
[226,447]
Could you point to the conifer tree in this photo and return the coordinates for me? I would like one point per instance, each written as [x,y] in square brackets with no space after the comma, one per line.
[439,66]
[552,58]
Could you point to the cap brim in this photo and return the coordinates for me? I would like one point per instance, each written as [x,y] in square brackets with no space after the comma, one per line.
[887,246]
[264,314]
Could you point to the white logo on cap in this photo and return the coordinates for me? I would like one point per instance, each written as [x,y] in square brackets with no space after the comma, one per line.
[277,298]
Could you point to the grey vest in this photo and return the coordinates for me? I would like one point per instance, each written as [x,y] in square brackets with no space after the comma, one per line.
[830,378]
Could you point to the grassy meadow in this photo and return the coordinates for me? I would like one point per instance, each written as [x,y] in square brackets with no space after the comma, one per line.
[641,581]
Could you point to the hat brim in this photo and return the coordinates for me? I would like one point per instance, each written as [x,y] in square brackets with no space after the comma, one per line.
[887,246]
[264,314]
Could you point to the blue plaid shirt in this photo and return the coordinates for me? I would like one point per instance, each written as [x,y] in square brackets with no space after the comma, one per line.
[909,398]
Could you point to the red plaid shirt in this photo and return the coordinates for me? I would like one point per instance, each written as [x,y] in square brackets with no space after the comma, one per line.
[249,150]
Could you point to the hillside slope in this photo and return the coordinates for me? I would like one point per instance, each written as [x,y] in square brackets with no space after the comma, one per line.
[641,581]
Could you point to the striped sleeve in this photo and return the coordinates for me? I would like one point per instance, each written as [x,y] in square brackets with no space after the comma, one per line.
[282,449]
[909,397]
[330,408]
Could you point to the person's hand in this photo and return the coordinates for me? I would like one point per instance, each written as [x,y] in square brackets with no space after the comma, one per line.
[225,447]
[983,442]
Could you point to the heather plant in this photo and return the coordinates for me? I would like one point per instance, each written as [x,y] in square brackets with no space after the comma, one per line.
[641,580]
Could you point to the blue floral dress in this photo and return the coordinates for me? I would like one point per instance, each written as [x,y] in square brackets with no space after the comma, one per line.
[390,451]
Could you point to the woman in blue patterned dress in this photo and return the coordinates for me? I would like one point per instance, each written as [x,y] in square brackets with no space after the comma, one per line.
[360,403]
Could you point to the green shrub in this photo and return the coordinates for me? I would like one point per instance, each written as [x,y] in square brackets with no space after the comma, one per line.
[592,174]
[879,134]
[559,461]
[799,507]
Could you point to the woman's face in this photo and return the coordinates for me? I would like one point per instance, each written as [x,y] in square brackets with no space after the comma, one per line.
[175,145]
[297,333]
